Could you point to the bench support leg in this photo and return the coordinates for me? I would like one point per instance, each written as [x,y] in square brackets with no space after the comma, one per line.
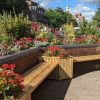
[66,68]
[26,96]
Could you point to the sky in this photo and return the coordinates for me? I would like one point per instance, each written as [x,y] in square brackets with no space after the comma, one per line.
[75,6]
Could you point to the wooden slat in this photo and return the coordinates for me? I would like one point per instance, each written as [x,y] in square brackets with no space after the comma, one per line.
[86,58]
[32,73]
[39,79]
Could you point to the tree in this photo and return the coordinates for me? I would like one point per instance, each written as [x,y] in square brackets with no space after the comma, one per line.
[96,17]
[57,17]
[14,5]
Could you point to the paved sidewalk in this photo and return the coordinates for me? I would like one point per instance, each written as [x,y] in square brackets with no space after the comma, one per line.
[84,87]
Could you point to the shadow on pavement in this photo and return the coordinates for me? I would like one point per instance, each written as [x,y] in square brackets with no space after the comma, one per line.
[82,68]
[51,90]
[56,90]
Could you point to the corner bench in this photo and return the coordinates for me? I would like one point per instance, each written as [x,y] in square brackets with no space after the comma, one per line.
[35,76]
[81,59]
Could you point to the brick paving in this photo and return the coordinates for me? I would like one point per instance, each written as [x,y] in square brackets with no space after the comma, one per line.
[84,87]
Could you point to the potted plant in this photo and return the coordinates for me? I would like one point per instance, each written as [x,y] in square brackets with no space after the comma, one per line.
[56,54]
[11,87]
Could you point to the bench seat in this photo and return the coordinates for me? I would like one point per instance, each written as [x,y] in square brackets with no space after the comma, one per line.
[35,76]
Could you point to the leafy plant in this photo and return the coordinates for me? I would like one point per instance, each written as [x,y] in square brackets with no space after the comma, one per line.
[11,86]
[5,39]
[54,51]
[16,26]
[24,43]
[69,32]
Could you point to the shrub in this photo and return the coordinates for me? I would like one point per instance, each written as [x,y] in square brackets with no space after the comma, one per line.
[69,32]
[16,26]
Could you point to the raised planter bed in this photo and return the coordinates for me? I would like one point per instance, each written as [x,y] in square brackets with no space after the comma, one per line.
[82,50]
[64,67]
[24,60]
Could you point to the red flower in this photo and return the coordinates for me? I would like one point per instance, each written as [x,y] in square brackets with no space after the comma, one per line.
[34,26]
[56,51]
[8,66]
[54,48]
[28,40]
[5,66]
[12,66]
[10,81]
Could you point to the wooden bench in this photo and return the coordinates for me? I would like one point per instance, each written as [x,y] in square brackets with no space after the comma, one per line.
[81,59]
[35,76]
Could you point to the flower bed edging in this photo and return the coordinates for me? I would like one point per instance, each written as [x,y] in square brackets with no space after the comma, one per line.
[24,60]
[63,71]
[82,50]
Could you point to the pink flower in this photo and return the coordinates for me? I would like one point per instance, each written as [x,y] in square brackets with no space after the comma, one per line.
[29,40]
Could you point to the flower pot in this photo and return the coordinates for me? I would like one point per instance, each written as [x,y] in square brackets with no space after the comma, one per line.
[64,69]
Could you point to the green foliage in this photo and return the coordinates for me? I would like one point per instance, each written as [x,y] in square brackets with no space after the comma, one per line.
[9,5]
[4,39]
[69,32]
[88,28]
[96,17]
[57,17]
[16,26]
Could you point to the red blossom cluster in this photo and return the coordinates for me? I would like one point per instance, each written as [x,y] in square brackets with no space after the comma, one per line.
[79,39]
[10,82]
[34,26]
[56,51]
[24,43]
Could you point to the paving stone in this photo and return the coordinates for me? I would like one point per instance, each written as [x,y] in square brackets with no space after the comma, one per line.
[85,87]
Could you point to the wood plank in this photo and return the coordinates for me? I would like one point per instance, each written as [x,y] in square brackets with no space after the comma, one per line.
[86,58]
[32,73]
[39,79]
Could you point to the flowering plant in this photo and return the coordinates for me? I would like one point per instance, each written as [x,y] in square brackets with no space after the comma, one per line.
[11,86]
[56,51]
[79,40]
[87,39]
[24,43]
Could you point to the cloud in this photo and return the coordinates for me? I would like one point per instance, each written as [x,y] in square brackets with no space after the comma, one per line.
[87,12]
[97,2]
[43,3]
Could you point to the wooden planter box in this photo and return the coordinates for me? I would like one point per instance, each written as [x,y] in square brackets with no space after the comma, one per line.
[82,50]
[64,68]
[24,60]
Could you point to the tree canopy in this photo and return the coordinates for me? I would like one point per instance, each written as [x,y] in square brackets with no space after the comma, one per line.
[57,17]
[96,17]
[10,5]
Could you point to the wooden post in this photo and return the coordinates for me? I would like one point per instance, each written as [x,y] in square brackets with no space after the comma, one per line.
[66,68]
[27,94]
